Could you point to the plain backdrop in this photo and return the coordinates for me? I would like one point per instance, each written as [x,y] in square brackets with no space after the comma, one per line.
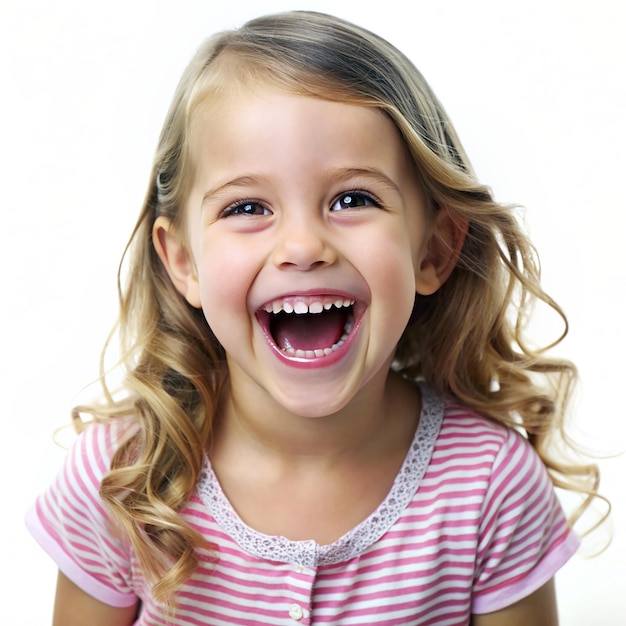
[536,89]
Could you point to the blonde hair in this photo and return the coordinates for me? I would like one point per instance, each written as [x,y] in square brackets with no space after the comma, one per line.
[467,339]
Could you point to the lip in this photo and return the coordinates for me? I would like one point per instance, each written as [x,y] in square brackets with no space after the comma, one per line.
[358,309]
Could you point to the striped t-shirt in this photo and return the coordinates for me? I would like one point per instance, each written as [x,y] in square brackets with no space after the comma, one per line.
[470,525]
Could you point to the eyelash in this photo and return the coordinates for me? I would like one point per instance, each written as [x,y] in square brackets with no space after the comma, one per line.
[370,200]
[365,200]
[233,209]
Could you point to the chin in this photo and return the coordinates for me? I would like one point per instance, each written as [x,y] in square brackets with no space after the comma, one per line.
[310,410]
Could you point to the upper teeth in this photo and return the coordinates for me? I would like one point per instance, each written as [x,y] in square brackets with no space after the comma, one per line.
[301,306]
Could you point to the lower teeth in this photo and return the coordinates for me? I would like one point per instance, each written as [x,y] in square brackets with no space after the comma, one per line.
[320,352]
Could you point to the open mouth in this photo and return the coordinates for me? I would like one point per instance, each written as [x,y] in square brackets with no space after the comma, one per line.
[308,327]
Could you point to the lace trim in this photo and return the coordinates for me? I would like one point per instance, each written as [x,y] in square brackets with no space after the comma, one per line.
[309,553]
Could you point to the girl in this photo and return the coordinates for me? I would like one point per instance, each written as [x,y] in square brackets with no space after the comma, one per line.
[332,415]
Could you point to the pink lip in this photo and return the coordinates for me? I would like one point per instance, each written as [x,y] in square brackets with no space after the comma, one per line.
[313,362]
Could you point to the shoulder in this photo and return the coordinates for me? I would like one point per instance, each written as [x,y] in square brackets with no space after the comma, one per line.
[468,452]
[475,462]
[71,522]
[75,489]
[89,458]
[493,460]
[103,438]
[522,534]
[465,436]
[73,496]
[465,424]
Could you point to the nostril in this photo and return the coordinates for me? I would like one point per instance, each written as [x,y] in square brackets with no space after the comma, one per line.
[303,252]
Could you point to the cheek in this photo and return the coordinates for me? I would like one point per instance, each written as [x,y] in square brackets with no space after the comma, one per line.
[224,280]
[391,279]
[398,290]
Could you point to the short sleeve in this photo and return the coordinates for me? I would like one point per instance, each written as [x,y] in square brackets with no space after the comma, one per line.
[524,536]
[70,522]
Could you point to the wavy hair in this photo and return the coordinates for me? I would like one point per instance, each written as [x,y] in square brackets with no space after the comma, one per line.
[467,339]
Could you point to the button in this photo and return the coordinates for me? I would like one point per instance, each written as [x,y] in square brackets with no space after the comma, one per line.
[296,612]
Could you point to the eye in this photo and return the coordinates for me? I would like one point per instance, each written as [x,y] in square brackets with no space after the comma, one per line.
[354,200]
[246,207]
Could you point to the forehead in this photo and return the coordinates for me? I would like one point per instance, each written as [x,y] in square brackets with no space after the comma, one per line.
[249,121]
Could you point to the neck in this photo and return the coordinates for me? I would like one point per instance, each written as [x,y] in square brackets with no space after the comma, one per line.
[387,408]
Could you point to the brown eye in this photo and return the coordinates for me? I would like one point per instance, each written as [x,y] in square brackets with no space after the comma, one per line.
[246,207]
[353,200]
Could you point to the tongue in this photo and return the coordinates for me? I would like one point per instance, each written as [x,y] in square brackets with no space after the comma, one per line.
[308,331]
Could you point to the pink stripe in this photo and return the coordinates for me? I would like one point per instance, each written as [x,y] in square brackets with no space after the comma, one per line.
[406,582]
[246,598]
[259,578]
[69,567]
[407,564]
[378,606]
[233,606]
[451,441]
[506,593]
[442,470]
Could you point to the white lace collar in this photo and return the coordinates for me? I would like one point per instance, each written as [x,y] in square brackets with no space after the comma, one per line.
[309,553]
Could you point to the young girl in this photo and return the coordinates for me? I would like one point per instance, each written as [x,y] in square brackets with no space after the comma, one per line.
[331,415]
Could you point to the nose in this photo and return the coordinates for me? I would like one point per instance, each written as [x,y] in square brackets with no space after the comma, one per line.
[303,245]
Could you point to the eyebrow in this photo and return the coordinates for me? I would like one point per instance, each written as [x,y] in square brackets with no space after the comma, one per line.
[334,175]
[373,174]
[239,181]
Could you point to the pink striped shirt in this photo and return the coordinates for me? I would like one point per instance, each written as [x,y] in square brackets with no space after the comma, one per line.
[471,525]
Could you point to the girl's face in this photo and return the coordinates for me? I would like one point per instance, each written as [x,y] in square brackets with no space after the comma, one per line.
[307,239]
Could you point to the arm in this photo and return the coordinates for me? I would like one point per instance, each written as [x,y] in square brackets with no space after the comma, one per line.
[74,607]
[538,609]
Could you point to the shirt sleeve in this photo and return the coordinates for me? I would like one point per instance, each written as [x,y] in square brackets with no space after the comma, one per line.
[70,522]
[524,536]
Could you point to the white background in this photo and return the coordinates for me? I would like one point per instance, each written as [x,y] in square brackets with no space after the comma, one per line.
[537,90]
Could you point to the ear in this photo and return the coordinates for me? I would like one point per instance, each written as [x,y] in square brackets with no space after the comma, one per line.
[176,259]
[442,252]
